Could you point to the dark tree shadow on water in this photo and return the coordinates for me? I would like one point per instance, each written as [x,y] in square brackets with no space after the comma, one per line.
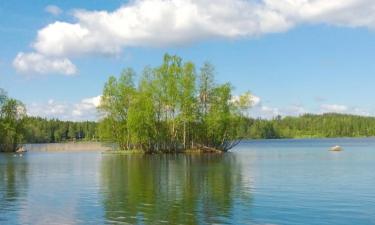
[13,186]
[171,189]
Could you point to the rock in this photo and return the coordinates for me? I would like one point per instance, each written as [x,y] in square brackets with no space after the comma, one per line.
[336,148]
[21,149]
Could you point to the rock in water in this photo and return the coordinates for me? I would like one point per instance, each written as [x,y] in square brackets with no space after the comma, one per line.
[21,149]
[336,148]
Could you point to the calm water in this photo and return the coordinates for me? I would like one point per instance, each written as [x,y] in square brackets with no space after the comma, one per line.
[261,182]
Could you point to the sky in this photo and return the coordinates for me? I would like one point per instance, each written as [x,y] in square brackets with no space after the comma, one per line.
[294,56]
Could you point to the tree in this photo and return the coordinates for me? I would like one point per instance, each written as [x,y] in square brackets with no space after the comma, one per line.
[115,104]
[72,131]
[188,101]
[220,118]
[12,114]
[166,112]
[141,122]
[206,84]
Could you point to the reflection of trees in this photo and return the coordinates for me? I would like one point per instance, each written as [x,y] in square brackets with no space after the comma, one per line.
[13,182]
[188,189]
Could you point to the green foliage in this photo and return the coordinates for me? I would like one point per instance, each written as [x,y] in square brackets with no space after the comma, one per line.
[171,109]
[313,126]
[12,113]
[116,101]
[40,130]
[263,129]
[17,128]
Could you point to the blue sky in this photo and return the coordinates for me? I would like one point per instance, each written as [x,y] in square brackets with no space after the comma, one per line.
[296,57]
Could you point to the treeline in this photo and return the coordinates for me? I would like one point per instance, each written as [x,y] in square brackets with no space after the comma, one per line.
[313,126]
[329,125]
[41,130]
[172,108]
[16,128]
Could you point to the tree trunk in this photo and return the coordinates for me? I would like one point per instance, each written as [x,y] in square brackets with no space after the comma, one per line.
[184,135]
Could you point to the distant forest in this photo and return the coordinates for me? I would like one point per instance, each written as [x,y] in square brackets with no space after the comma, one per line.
[328,125]
[16,127]
[39,130]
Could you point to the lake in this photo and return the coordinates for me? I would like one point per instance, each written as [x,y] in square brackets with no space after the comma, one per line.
[259,182]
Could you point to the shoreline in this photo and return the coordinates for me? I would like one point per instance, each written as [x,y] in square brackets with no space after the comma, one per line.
[68,147]
[111,149]
[101,147]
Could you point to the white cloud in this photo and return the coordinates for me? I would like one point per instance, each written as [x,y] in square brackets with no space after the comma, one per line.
[270,111]
[360,111]
[335,108]
[95,101]
[37,63]
[87,105]
[157,23]
[85,109]
[350,13]
[262,111]
[50,110]
[325,108]
[255,100]
[53,10]
[145,23]
[165,23]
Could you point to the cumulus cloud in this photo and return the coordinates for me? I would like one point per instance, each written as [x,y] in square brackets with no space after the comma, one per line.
[334,108]
[268,111]
[161,23]
[85,106]
[41,64]
[261,110]
[255,100]
[361,112]
[53,10]
[155,23]
[83,110]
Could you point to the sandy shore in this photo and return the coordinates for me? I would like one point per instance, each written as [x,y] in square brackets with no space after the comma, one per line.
[71,146]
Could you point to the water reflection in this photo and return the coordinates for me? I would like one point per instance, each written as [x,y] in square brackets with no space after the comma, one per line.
[260,183]
[13,185]
[172,189]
